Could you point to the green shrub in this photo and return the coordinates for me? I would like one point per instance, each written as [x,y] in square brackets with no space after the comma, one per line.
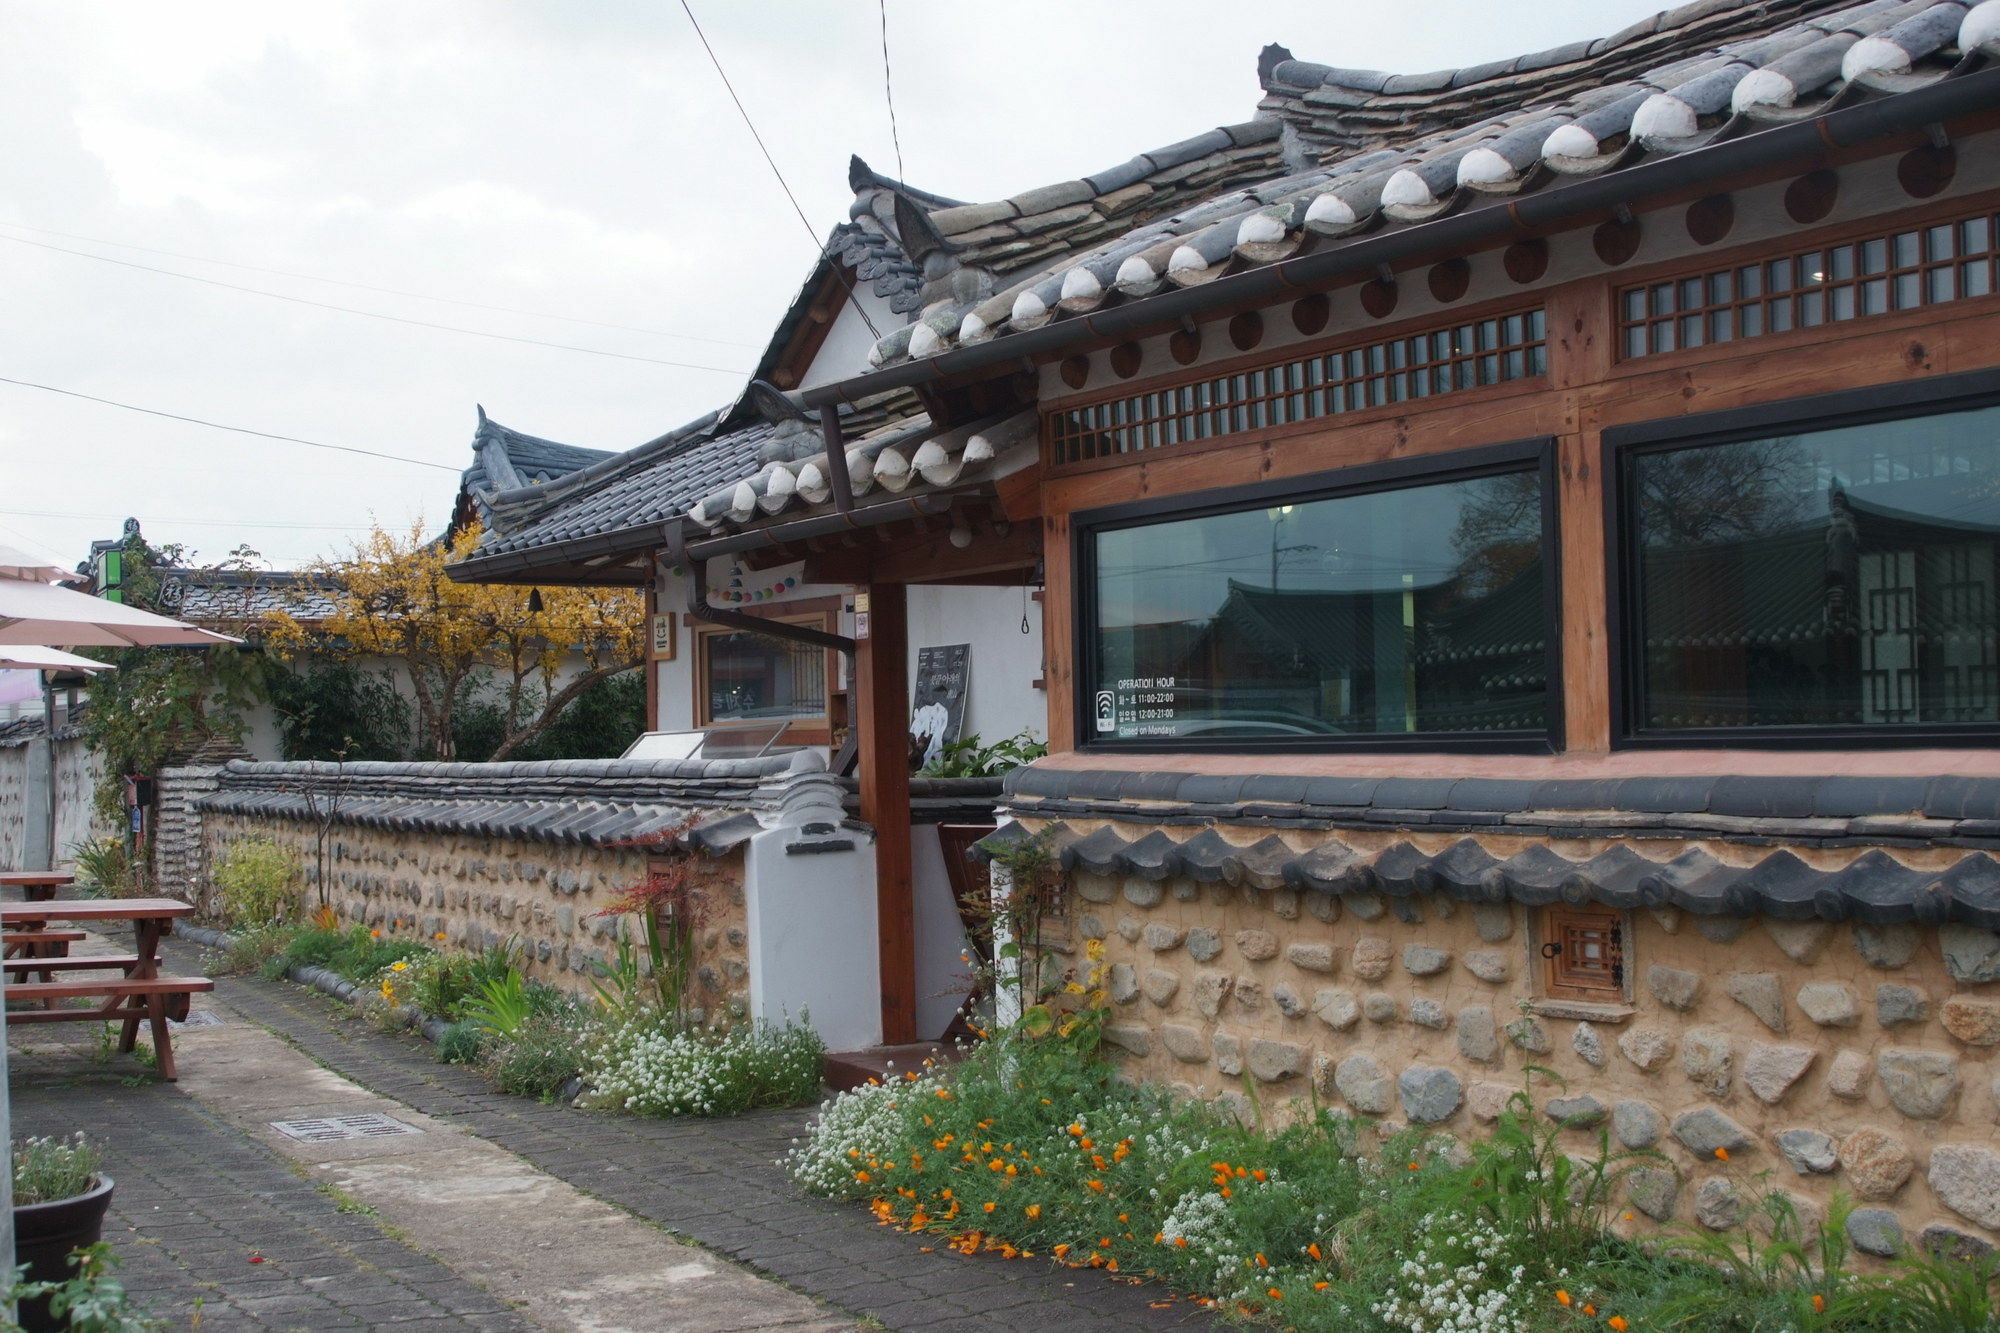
[102,868]
[356,952]
[258,880]
[442,984]
[538,1058]
[254,948]
[461,1043]
[50,1169]
[91,1301]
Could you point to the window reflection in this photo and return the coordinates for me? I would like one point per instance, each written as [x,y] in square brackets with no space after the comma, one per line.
[1414,610]
[1841,577]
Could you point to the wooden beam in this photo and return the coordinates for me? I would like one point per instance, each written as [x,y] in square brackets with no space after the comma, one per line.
[882,730]
[931,558]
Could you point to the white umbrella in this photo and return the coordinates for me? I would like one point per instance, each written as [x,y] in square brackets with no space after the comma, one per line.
[46,659]
[18,564]
[39,613]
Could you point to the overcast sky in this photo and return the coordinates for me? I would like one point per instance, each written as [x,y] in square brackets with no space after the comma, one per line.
[570,158]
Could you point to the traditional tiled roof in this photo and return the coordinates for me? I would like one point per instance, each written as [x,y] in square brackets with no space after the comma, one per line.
[601,802]
[1874,888]
[1336,153]
[233,597]
[504,459]
[620,504]
[904,457]
[1665,816]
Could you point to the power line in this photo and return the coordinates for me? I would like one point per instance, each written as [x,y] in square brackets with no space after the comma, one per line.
[772,162]
[216,425]
[386,291]
[370,314]
[192,522]
[889,89]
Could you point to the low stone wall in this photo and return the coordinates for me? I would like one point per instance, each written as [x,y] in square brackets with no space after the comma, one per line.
[480,892]
[475,855]
[24,794]
[1851,1055]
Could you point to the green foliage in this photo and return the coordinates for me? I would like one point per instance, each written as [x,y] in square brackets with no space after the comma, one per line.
[501,1006]
[461,1043]
[49,1169]
[598,724]
[92,1301]
[443,984]
[1026,1148]
[102,867]
[967,757]
[251,948]
[336,711]
[355,952]
[537,1058]
[259,880]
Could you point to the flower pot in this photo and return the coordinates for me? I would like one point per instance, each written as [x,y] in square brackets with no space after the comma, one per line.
[44,1235]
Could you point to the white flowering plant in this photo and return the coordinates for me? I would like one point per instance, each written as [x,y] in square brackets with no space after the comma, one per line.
[647,1067]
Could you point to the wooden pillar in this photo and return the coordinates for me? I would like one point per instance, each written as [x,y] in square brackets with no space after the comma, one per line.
[652,666]
[1580,337]
[882,733]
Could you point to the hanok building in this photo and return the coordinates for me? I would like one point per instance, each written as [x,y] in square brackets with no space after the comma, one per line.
[1519,548]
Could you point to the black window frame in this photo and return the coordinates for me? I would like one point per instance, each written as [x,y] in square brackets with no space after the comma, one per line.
[1539,452]
[1902,400]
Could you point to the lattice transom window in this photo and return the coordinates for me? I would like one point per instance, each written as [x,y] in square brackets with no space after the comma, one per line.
[1379,374]
[1583,953]
[1869,275]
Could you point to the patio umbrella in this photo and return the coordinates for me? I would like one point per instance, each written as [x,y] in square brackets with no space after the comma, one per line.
[15,658]
[18,564]
[38,613]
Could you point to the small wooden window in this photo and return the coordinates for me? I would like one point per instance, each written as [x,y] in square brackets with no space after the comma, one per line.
[1583,953]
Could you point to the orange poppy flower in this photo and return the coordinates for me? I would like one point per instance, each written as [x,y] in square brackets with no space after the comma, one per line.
[1617,1323]
[1562,1297]
[1722,1154]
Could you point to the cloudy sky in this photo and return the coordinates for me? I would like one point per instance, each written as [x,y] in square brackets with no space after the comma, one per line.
[575,163]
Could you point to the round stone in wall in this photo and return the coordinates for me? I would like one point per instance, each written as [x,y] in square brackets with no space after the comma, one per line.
[1877,1163]
[1966,1179]
[1718,1204]
[1646,1047]
[1430,1093]
[1371,958]
[1636,1124]
[1421,961]
[1875,1231]
[1257,945]
[1365,1084]
[1974,1020]
[1831,1004]
[1809,1152]
[1762,994]
[1885,946]
[1921,1084]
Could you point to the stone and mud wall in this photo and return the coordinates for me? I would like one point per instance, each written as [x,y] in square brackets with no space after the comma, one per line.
[1826,1012]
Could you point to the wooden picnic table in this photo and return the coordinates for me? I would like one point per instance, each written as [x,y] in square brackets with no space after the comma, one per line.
[138,994]
[36,885]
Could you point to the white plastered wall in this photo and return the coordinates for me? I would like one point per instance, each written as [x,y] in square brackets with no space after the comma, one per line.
[812,938]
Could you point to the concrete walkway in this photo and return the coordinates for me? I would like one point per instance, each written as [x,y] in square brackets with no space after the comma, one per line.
[503,1213]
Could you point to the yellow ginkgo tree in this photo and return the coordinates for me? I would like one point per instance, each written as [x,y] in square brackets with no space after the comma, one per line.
[392,599]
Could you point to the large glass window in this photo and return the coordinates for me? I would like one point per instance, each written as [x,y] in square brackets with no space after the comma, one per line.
[1394,612]
[1840,577]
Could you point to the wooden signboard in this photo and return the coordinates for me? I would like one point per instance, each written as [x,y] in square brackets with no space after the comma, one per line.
[666,638]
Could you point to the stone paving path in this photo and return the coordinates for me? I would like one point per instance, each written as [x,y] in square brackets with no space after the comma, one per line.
[197,1200]
[718,1184]
[204,1187]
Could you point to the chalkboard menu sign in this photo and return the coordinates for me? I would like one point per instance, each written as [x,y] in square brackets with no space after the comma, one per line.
[937,700]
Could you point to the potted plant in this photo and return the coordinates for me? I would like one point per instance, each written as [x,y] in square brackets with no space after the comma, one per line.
[60,1198]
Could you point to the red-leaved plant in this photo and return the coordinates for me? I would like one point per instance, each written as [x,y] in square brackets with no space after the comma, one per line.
[671,903]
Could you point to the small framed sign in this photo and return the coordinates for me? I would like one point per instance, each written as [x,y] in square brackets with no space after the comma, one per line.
[666,638]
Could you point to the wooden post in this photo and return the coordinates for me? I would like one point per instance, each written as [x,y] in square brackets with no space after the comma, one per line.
[652,667]
[882,732]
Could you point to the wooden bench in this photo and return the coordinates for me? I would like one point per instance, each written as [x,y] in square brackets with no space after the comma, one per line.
[55,942]
[134,1000]
[141,995]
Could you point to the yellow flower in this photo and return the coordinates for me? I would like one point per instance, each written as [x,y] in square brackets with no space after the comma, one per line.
[399,967]
[1094,950]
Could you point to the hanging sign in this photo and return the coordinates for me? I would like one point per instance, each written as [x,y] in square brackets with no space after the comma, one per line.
[938,699]
[666,641]
[730,584]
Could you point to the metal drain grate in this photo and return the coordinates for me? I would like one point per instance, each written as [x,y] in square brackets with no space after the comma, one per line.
[197,1018]
[332,1128]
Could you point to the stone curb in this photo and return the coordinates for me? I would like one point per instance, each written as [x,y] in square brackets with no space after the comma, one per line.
[321,979]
